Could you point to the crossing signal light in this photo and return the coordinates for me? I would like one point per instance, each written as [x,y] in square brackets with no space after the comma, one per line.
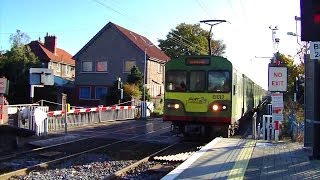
[310,20]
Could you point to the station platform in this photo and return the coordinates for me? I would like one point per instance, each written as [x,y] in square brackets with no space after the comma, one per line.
[230,158]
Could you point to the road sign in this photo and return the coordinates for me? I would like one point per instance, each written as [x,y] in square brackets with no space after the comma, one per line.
[277,100]
[41,76]
[315,50]
[278,78]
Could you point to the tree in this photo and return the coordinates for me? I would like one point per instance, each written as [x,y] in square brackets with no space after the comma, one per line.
[19,38]
[131,91]
[113,94]
[136,77]
[15,65]
[295,71]
[189,39]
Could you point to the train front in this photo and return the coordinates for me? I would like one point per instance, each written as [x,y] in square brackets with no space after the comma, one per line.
[198,95]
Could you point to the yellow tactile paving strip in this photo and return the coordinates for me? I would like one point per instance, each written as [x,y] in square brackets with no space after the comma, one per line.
[242,161]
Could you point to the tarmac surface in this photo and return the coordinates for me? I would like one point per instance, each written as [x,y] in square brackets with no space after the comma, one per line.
[248,159]
[281,160]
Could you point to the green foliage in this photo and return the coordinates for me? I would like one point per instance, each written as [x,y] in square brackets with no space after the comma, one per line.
[189,39]
[131,91]
[158,111]
[136,77]
[294,71]
[19,38]
[15,65]
[113,95]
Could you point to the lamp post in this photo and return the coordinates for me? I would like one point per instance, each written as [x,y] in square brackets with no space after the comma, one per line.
[144,107]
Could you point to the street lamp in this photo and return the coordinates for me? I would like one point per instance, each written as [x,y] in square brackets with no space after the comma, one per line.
[144,107]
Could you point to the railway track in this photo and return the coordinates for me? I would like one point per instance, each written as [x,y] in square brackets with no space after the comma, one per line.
[117,159]
[44,158]
[35,148]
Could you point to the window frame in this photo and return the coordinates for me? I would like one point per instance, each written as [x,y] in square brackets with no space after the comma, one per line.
[159,68]
[82,66]
[89,92]
[58,66]
[124,65]
[176,84]
[229,81]
[95,91]
[96,69]
[204,81]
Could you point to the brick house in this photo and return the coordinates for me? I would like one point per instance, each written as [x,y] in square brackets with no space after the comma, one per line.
[52,57]
[110,54]
[61,63]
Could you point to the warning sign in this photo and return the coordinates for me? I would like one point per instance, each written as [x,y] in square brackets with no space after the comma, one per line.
[277,100]
[278,79]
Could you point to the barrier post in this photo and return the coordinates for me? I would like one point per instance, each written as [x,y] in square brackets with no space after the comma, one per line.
[259,133]
[267,127]
[100,116]
[276,131]
[64,109]
[254,126]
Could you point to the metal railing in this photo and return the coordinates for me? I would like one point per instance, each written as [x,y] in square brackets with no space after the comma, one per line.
[23,116]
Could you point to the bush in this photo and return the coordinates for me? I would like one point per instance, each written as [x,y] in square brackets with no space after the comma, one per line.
[158,112]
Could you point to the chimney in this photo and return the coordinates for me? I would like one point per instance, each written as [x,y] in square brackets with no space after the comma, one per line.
[50,42]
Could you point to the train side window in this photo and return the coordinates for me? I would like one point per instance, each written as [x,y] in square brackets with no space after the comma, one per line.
[234,89]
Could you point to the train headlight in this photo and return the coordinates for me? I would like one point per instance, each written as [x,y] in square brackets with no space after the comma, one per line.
[215,107]
[174,106]
[218,107]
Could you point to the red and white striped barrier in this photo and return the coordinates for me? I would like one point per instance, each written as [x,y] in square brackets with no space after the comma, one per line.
[95,109]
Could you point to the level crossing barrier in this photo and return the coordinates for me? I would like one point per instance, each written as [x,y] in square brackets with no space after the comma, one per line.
[78,117]
[23,116]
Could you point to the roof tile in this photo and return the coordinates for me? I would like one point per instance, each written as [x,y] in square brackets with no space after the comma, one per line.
[43,53]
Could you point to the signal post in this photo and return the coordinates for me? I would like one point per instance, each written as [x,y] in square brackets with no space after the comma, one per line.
[310,31]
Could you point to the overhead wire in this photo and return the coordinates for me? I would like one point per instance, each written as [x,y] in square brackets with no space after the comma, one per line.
[204,8]
[134,20]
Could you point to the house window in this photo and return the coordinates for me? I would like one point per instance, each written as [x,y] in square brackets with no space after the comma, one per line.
[85,92]
[128,65]
[101,92]
[58,65]
[102,66]
[67,69]
[49,65]
[159,68]
[86,66]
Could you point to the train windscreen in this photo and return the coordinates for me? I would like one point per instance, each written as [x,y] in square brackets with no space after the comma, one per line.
[176,81]
[197,80]
[219,81]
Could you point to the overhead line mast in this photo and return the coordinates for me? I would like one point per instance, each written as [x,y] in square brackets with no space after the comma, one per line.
[211,23]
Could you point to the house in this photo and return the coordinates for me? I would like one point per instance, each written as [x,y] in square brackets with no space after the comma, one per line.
[61,63]
[52,57]
[110,54]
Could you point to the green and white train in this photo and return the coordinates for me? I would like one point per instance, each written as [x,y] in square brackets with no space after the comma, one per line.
[205,95]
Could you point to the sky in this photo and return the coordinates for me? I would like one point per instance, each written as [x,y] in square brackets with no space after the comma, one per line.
[247,35]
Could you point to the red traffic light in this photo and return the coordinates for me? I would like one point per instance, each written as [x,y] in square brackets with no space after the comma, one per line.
[316,18]
[310,20]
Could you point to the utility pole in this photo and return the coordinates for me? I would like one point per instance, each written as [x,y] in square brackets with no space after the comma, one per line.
[211,23]
[275,42]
